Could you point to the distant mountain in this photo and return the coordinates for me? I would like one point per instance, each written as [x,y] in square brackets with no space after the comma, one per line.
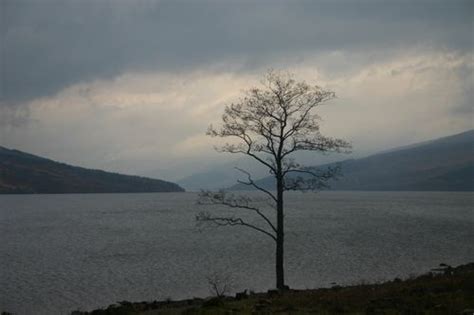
[211,179]
[225,174]
[222,175]
[444,164]
[26,173]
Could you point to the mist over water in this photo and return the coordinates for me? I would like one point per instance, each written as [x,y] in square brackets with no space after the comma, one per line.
[64,252]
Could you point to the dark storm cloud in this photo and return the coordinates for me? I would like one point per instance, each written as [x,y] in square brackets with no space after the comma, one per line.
[48,45]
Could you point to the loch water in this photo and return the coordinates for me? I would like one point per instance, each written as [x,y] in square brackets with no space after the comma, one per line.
[60,253]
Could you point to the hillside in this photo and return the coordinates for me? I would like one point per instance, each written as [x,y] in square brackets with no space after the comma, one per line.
[444,164]
[221,175]
[25,173]
[225,175]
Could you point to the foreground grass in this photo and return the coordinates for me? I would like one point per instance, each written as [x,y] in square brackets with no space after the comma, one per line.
[446,291]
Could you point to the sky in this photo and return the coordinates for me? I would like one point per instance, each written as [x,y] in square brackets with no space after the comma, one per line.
[131,86]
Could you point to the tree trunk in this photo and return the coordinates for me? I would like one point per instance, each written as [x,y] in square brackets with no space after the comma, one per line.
[280,276]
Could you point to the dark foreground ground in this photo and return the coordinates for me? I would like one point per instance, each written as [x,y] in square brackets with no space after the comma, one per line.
[445,290]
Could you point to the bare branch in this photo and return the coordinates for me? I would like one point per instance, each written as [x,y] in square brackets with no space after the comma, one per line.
[229,221]
[220,283]
[252,183]
[222,198]
[311,179]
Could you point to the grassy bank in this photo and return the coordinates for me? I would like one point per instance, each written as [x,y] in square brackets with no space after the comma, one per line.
[446,290]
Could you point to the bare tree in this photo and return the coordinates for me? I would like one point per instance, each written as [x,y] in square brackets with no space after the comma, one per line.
[270,124]
[220,283]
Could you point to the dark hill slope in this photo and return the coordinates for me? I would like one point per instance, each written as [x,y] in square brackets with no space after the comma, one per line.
[445,164]
[26,173]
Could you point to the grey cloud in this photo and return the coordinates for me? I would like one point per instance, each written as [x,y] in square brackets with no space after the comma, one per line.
[48,45]
[465,107]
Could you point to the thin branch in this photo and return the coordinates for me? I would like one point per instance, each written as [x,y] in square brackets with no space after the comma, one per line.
[316,179]
[230,221]
[219,198]
[251,182]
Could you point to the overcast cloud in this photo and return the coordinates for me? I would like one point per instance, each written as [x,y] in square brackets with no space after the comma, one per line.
[131,86]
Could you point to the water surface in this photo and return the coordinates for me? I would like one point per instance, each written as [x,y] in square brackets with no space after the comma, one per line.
[65,252]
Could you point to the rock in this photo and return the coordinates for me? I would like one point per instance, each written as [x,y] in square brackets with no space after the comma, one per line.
[241,295]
